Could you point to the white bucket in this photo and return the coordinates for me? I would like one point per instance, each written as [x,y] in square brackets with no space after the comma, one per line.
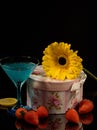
[57,96]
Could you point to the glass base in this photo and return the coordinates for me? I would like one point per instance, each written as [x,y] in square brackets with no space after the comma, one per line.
[11,111]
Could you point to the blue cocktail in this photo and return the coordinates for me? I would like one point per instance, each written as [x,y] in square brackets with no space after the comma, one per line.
[18,70]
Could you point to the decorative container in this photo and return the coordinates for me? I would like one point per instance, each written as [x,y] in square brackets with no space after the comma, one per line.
[56,95]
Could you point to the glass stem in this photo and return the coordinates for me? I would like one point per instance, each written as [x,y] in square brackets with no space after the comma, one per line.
[19,86]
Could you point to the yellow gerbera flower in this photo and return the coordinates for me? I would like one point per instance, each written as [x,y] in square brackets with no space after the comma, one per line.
[60,62]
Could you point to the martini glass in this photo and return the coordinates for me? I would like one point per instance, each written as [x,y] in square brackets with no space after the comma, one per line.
[18,69]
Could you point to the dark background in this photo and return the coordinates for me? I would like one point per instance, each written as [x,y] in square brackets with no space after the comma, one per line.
[26,29]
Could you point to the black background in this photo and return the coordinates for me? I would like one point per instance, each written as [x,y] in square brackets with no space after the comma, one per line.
[27,28]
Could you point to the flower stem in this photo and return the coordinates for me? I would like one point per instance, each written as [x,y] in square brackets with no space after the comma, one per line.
[88,72]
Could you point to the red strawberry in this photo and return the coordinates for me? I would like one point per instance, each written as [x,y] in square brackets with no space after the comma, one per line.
[86,118]
[19,113]
[42,112]
[72,115]
[85,106]
[31,117]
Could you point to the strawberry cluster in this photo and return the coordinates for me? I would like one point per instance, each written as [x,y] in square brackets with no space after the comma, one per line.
[82,113]
[39,118]
[31,116]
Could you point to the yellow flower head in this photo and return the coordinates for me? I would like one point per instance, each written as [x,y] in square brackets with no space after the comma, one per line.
[60,62]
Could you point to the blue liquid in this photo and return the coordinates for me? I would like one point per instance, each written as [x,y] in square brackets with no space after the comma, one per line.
[19,72]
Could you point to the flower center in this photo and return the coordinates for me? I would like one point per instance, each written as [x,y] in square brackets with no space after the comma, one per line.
[62,61]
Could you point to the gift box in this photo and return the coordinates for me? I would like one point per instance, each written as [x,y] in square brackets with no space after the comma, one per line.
[56,95]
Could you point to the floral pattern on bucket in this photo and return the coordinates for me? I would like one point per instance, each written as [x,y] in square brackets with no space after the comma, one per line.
[54,101]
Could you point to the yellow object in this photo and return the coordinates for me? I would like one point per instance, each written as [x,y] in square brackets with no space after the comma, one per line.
[61,62]
[7,102]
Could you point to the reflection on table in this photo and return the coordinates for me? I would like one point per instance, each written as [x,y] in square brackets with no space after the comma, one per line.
[53,122]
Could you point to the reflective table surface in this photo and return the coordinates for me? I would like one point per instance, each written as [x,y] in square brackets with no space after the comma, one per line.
[54,122]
